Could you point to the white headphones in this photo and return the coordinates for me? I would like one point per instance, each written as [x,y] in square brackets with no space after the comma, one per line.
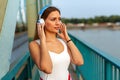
[41,20]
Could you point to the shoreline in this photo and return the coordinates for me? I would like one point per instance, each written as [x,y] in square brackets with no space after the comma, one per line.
[94,27]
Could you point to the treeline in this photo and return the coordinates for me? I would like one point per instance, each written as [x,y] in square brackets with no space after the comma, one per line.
[96,19]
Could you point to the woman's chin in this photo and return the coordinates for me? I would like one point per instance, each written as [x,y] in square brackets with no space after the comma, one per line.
[56,31]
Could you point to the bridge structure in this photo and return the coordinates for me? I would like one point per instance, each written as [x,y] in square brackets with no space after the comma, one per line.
[15,60]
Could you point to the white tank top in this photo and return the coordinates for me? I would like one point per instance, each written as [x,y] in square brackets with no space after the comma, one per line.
[60,63]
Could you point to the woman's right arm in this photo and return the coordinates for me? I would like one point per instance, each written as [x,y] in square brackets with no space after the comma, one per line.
[40,56]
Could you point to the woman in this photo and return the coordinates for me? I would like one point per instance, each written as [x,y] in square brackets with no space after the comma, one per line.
[51,54]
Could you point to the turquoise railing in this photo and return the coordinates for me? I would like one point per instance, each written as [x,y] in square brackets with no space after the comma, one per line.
[22,70]
[98,65]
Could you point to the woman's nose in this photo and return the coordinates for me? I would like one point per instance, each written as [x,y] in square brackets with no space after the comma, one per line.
[58,22]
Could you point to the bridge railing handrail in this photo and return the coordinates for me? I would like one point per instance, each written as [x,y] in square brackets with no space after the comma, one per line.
[13,72]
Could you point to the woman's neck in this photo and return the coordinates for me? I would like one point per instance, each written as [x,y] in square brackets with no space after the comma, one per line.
[50,37]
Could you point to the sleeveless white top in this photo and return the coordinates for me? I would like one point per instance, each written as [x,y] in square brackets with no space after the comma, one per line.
[60,63]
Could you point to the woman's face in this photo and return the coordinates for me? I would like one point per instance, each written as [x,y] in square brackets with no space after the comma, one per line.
[53,22]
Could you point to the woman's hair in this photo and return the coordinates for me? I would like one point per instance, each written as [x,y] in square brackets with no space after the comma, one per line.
[44,16]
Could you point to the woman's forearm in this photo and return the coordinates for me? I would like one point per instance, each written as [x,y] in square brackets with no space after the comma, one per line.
[75,53]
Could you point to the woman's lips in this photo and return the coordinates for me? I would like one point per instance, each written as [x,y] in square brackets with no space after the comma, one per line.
[57,28]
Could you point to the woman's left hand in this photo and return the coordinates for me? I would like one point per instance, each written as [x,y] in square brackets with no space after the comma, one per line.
[63,32]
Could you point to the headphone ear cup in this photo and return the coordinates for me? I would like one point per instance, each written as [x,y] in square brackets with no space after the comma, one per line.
[42,21]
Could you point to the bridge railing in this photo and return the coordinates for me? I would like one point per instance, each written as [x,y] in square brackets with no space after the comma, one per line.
[98,65]
[22,70]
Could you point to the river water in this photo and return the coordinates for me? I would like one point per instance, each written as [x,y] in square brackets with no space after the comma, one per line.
[104,39]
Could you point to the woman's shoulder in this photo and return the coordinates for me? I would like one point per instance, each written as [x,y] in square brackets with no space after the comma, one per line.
[38,41]
[34,42]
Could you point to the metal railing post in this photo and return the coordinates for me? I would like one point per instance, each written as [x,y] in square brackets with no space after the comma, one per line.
[108,71]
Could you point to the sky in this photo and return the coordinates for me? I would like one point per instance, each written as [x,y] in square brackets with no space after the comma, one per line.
[87,8]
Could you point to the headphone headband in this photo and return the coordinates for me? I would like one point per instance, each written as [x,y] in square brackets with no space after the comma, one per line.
[43,9]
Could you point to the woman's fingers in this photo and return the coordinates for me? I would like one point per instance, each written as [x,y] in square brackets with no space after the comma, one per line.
[63,27]
[42,26]
[38,28]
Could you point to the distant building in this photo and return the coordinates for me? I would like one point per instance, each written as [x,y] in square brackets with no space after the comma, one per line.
[117,23]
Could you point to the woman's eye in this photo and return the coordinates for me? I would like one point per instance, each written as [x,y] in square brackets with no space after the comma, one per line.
[60,19]
[53,19]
